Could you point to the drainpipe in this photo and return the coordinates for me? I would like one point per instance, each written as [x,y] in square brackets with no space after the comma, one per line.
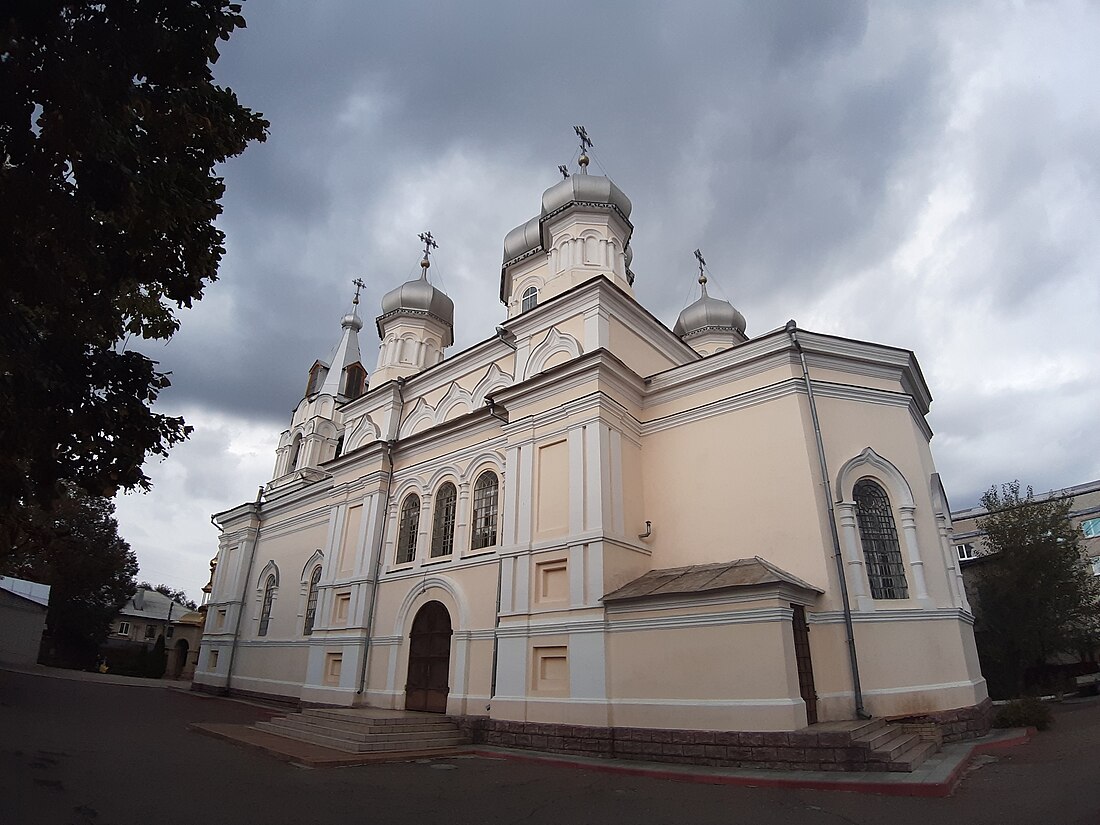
[391,443]
[861,713]
[496,641]
[244,595]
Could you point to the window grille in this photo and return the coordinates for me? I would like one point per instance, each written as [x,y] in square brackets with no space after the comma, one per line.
[311,601]
[485,510]
[879,537]
[265,609]
[443,525]
[410,523]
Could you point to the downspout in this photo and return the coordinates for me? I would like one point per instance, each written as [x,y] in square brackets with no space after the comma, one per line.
[496,641]
[391,443]
[853,661]
[244,595]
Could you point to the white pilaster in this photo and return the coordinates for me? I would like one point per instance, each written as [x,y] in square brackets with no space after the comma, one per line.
[853,557]
[912,550]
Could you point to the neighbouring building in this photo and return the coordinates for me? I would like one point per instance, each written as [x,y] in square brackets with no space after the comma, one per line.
[23,606]
[589,519]
[969,541]
[147,615]
[975,557]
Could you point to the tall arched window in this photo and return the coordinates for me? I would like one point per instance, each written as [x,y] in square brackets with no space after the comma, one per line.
[295,449]
[265,608]
[443,524]
[311,600]
[879,537]
[530,299]
[409,524]
[485,510]
[355,378]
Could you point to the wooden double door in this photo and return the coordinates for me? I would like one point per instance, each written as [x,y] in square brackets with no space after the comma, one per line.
[429,660]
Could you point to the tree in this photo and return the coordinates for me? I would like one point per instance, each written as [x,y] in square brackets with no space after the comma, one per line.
[174,595]
[110,131]
[1037,596]
[75,548]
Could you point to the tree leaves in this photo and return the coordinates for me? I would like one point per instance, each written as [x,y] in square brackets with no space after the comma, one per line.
[113,126]
[1037,596]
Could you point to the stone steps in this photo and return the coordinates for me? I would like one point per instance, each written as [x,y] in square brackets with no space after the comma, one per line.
[878,745]
[363,732]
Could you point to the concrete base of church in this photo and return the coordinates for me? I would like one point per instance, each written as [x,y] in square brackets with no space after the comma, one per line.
[957,724]
[828,747]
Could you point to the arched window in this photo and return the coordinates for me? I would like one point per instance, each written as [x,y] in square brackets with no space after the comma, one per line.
[485,510]
[879,537]
[530,299]
[311,600]
[354,379]
[316,377]
[409,524]
[443,524]
[265,608]
[295,449]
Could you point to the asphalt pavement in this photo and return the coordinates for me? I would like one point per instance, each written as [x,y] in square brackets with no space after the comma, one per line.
[85,751]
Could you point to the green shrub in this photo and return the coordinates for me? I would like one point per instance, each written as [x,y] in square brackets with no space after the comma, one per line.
[1028,712]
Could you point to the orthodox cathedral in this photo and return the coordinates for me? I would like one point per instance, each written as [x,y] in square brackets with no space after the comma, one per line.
[588,521]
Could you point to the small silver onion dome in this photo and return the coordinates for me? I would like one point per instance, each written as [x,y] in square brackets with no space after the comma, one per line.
[709,313]
[352,321]
[585,188]
[418,297]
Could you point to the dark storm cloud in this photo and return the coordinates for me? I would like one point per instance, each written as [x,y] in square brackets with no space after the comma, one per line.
[927,176]
[802,139]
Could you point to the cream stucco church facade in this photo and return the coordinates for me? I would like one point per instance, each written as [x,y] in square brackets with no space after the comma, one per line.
[590,519]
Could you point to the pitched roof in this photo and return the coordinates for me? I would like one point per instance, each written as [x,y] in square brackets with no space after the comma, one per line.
[150,604]
[704,578]
[31,591]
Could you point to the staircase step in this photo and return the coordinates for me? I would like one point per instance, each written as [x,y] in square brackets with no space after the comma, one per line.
[298,720]
[877,738]
[913,757]
[343,743]
[373,716]
[359,735]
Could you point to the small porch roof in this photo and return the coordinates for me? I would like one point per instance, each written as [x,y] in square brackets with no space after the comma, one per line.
[706,578]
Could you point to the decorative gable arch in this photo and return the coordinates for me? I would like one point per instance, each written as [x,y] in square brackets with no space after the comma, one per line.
[871,463]
[494,379]
[450,404]
[317,558]
[363,431]
[270,569]
[420,418]
[555,343]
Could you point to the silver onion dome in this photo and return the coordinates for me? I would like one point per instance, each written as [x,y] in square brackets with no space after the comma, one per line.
[708,313]
[418,297]
[585,189]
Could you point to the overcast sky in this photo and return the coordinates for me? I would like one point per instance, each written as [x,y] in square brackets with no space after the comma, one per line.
[925,175]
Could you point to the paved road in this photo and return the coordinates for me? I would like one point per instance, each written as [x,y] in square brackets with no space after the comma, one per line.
[92,753]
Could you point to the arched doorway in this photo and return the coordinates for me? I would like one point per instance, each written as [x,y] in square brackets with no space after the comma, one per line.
[429,659]
[181,658]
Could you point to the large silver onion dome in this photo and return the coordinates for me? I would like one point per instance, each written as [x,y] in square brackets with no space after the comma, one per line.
[709,313]
[587,189]
[418,297]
